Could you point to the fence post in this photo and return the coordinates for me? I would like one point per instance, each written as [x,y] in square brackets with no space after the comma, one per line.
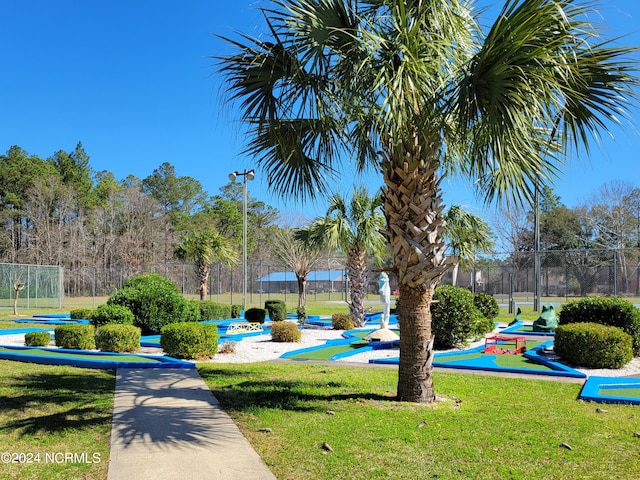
[511,304]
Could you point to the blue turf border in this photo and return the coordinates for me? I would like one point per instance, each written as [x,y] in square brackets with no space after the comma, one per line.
[558,369]
[591,390]
[21,355]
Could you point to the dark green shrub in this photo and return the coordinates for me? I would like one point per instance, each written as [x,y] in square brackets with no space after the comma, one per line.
[255,315]
[612,311]
[453,316]
[285,332]
[154,301]
[482,326]
[189,340]
[105,314]
[76,337]
[81,313]
[214,311]
[37,339]
[487,305]
[118,338]
[276,309]
[235,311]
[593,345]
[342,321]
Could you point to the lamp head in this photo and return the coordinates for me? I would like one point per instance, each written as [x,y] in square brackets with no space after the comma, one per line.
[232,176]
[251,174]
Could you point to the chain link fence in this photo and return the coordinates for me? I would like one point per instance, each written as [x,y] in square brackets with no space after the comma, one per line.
[35,286]
[563,274]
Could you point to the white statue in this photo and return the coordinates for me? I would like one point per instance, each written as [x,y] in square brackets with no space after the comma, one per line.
[385,298]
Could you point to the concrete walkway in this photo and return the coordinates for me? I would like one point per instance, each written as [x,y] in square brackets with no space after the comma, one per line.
[167,426]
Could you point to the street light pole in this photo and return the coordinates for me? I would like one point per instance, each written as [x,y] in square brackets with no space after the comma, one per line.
[246,175]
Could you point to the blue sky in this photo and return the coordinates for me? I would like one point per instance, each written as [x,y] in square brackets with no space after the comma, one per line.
[131,80]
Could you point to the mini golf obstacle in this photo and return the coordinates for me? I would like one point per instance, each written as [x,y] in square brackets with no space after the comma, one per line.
[503,344]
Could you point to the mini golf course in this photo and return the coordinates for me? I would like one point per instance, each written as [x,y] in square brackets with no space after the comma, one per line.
[534,361]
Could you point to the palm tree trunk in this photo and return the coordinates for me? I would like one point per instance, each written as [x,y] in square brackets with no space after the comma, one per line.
[357,269]
[412,207]
[302,291]
[203,275]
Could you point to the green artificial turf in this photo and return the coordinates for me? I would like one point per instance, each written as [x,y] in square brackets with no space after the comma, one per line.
[620,392]
[111,358]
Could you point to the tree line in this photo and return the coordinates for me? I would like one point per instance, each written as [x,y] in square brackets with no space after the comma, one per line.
[59,211]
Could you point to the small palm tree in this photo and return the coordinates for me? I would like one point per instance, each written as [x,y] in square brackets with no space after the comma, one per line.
[205,246]
[417,90]
[354,229]
[466,234]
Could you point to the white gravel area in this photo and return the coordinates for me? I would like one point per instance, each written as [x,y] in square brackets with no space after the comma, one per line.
[260,348]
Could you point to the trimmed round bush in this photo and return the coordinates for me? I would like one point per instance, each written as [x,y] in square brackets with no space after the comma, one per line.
[81,313]
[276,309]
[189,340]
[612,311]
[106,314]
[213,311]
[37,339]
[285,332]
[235,311]
[75,337]
[342,321]
[255,315]
[593,345]
[155,302]
[453,316]
[487,305]
[118,338]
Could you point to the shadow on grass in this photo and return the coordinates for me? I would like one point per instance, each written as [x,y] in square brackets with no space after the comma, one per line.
[298,396]
[55,402]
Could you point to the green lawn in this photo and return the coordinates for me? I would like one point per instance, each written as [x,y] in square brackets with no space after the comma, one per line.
[483,427]
[46,411]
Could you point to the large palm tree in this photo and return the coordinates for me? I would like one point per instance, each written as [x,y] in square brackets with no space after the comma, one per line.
[416,89]
[352,227]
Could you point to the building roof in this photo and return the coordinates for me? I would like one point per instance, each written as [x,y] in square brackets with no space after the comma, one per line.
[314,276]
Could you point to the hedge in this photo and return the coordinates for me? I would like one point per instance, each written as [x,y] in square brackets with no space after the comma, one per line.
[611,311]
[118,338]
[189,340]
[116,314]
[214,311]
[75,337]
[453,316]
[593,345]
[155,302]
[37,339]
[80,313]
[342,321]
[277,310]
[285,332]
[255,315]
